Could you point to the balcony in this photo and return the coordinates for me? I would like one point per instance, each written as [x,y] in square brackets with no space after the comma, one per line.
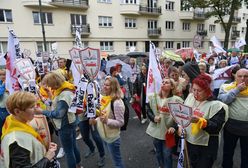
[81,4]
[129,9]
[202,32]
[199,15]
[235,34]
[35,3]
[153,11]
[85,29]
[155,32]
[192,15]
[236,20]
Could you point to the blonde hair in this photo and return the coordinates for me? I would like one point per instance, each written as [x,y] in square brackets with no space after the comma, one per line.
[20,100]
[53,79]
[172,91]
[116,92]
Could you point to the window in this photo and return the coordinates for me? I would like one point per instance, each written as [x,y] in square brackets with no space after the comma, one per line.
[41,48]
[169,45]
[130,44]
[185,44]
[104,1]
[106,46]
[104,21]
[3,47]
[78,19]
[129,1]
[186,26]
[200,27]
[5,15]
[202,44]
[130,23]
[169,25]
[152,24]
[212,28]
[169,5]
[243,29]
[47,18]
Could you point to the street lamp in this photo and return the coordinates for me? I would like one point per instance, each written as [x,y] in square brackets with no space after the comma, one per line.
[42,26]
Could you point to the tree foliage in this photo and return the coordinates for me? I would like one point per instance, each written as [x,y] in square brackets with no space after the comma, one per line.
[219,9]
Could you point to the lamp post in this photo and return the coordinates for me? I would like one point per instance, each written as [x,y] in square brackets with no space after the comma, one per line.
[42,26]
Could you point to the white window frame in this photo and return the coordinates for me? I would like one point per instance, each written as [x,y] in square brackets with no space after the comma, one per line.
[212,28]
[200,27]
[5,12]
[130,23]
[129,1]
[105,21]
[185,44]
[107,45]
[169,25]
[82,19]
[170,5]
[3,47]
[186,26]
[130,44]
[39,44]
[46,20]
[104,1]
[169,44]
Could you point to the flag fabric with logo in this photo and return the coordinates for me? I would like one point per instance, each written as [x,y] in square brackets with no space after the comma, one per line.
[180,162]
[154,78]
[217,45]
[13,54]
[240,43]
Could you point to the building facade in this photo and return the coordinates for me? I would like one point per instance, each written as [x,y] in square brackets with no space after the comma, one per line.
[112,25]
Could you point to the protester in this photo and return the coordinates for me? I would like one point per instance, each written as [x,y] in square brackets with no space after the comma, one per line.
[3,97]
[235,95]
[161,121]
[207,121]
[22,146]
[140,92]
[109,122]
[64,120]
[173,73]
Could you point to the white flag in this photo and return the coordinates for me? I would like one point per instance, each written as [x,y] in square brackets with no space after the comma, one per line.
[217,45]
[154,78]
[240,43]
[13,54]
[180,162]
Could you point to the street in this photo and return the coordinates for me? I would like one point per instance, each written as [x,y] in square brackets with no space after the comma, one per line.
[137,149]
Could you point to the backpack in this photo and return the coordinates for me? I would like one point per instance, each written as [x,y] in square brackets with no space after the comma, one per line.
[126,114]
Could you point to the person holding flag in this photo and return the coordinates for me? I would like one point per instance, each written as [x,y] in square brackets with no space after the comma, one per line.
[209,115]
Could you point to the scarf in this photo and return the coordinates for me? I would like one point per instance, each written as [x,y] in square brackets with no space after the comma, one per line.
[88,91]
[65,85]
[105,100]
[11,124]
[233,86]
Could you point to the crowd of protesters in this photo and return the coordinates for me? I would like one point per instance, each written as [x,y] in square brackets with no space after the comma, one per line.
[216,88]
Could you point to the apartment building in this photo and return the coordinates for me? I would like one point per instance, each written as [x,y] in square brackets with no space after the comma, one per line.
[113,26]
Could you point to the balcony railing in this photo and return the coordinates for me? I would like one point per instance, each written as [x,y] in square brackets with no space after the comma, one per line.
[154,32]
[71,3]
[85,29]
[199,15]
[202,32]
[235,34]
[150,10]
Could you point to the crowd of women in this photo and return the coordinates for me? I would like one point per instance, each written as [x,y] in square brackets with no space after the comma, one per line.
[218,105]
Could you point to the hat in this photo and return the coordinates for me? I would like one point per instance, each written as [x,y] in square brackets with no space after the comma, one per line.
[192,70]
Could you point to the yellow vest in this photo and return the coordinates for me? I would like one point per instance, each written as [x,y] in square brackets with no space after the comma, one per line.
[208,109]
[160,108]
[108,134]
[67,96]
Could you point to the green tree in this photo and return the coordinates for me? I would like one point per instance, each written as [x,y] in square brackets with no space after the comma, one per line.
[219,9]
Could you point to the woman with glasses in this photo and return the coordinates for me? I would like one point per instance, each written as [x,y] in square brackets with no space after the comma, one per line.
[208,118]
